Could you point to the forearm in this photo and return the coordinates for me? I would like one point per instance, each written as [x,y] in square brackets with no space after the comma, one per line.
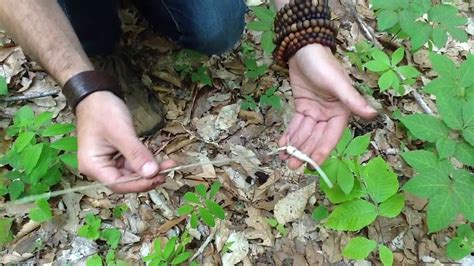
[43,31]
[280,3]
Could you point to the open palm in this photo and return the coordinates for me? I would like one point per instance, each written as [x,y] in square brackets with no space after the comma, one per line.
[324,100]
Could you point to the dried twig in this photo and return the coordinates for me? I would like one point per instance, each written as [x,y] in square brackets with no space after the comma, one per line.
[28,96]
[205,244]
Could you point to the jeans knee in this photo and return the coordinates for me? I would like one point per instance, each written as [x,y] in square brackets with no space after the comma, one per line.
[216,33]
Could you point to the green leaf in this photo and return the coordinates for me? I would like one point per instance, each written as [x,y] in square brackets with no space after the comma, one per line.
[263,13]
[357,146]
[381,181]
[386,255]
[181,258]
[201,190]
[320,213]
[386,80]
[65,144]
[458,34]
[15,189]
[398,55]
[380,56]
[442,210]
[267,42]
[194,221]
[272,222]
[425,127]
[23,140]
[451,112]
[376,66]
[426,185]
[443,65]
[215,187]
[5,225]
[465,153]
[419,34]
[359,248]
[440,37]
[23,115]
[345,178]
[90,229]
[425,162]
[408,72]
[94,260]
[457,248]
[463,187]
[386,19]
[392,206]
[192,197]
[69,159]
[3,86]
[185,210]
[468,113]
[169,248]
[216,209]
[111,236]
[445,147]
[57,130]
[119,210]
[30,157]
[42,213]
[352,215]
[259,25]
[207,217]
[344,141]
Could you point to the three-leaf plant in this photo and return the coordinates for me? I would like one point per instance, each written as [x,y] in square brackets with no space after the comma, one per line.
[392,75]
[172,253]
[201,205]
[264,23]
[270,99]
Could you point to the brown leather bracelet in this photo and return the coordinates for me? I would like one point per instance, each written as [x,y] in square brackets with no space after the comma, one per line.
[85,83]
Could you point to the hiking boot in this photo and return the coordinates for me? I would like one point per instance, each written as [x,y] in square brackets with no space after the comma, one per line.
[146,109]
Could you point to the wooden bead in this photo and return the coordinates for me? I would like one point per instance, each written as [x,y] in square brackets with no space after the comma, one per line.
[293,27]
[306,24]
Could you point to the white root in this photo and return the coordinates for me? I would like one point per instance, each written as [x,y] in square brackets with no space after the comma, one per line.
[305,158]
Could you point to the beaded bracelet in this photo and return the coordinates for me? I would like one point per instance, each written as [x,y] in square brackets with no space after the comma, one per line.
[302,22]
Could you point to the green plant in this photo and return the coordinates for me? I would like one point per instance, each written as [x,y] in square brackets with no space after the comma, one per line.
[463,244]
[249,103]
[270,99]
[172,253]
[320,213]
[278,226]
[188,62]
[409,17]
[264,23]
[201,205]
[42,212]
[3,86]
[359,248]
[5,226]
[252,70]
[361,192]
[92,230]
[119,210]
[36,162]
[361,54]
[392,75]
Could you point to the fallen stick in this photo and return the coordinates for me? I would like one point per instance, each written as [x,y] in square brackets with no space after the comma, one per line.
[28,97]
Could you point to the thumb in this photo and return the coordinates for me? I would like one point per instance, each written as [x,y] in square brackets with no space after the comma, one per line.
[140,159]
[352,99]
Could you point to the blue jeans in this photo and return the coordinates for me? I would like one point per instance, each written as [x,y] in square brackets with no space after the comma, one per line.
[207,26]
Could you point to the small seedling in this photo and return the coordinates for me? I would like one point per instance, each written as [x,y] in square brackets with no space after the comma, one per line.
[249,103]
[264,23]
[172,253]
[252,70]
[201,205]
[270,99]
[279,227]
[191,63]
[361,54]
[119,210]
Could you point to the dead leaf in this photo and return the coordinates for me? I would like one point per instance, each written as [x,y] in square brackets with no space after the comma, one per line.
[261,229]
[291,207]
[239,249]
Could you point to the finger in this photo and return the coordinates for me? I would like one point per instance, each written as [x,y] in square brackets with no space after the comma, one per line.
[352,99]
[330,137]
[303,132]
[295,124]
[137,156]
[309,146]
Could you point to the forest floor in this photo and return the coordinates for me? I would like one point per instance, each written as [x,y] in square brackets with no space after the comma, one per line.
[249,190]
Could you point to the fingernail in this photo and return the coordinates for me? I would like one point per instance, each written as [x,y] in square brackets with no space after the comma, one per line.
[149,169]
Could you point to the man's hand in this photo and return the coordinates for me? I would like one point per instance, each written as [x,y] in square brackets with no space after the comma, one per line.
[105,129]
[324,100]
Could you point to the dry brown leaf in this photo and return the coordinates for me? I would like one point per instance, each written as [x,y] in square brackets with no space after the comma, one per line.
[291,207]
[261,229]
